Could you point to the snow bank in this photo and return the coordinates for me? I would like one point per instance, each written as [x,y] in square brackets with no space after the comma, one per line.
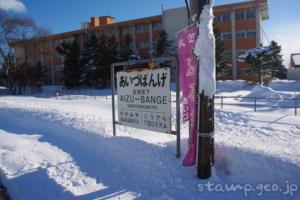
[285,85]
[232,86]
[261,91]
[23,154]
[3,90]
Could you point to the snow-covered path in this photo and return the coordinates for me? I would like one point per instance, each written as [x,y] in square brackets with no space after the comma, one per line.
[55,149]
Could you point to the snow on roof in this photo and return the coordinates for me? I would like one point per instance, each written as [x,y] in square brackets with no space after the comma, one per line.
[296,59]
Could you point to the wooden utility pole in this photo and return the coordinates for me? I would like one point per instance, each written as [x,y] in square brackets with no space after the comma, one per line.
[205,140]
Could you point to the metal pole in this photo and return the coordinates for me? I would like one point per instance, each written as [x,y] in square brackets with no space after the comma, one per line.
[178,154]
[113,99]
[254,104]
[221,102]
[188,11]
[296,106]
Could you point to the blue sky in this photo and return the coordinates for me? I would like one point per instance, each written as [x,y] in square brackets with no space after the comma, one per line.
[66,15]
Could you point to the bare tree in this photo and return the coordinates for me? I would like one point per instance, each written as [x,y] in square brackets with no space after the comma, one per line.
[14,28]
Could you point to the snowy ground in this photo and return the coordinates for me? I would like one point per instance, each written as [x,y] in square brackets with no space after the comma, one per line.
[64,149]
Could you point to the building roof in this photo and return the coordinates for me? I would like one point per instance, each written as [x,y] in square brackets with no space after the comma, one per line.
[296,59]
[66,35]
[262,4]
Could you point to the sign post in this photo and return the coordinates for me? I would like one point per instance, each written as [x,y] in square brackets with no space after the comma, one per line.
[144,97]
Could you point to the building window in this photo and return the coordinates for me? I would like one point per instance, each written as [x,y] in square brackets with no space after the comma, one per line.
[59,68]
[250,14]
[157,26]
[57,43]
[20,59]
[241,52]
[239,15]
[251,34]
[241,35]
[218,18]
[29,48]
[225,17]
[69,40]
[109,33]
[226,36]
[142,44]
[126,31]
[47,57]
[142,28]
[98,33]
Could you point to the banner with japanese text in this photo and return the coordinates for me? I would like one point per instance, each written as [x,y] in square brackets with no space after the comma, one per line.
[186,41]
[144,99]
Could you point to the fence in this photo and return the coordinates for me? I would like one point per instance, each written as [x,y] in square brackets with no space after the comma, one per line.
[257,102]
[253,102]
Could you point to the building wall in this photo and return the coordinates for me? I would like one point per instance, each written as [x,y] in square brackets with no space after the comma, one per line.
[229,22]
[174,20]
[294,74]
[145,32]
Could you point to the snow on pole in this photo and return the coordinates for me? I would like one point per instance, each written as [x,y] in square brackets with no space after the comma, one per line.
[205,51]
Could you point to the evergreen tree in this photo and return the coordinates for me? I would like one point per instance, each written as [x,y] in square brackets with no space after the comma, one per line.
[73,68]
[278,69]
[222,54]
[164,46]
[112,57]
[91,61]
[20,77]
[36,76]
[135,55]
[102,59]
[259,60]
[126,49]
[265,61]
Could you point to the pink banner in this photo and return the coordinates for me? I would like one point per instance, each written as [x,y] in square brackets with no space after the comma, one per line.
[188,78]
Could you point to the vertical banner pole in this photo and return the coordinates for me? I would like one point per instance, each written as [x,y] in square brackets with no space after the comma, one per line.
[113,99]
[178,154]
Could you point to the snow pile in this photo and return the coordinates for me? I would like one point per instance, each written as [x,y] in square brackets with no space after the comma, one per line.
[231,86]
[23,154]
[261,91]
[205,50]
[3,90]
[275,96]
[285,86]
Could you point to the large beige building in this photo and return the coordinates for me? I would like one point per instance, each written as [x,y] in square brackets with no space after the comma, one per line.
[240,25]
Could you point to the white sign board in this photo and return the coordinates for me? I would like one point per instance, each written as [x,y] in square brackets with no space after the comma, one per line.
[144,99]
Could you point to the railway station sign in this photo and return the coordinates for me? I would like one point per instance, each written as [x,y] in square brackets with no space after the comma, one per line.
[144,99]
